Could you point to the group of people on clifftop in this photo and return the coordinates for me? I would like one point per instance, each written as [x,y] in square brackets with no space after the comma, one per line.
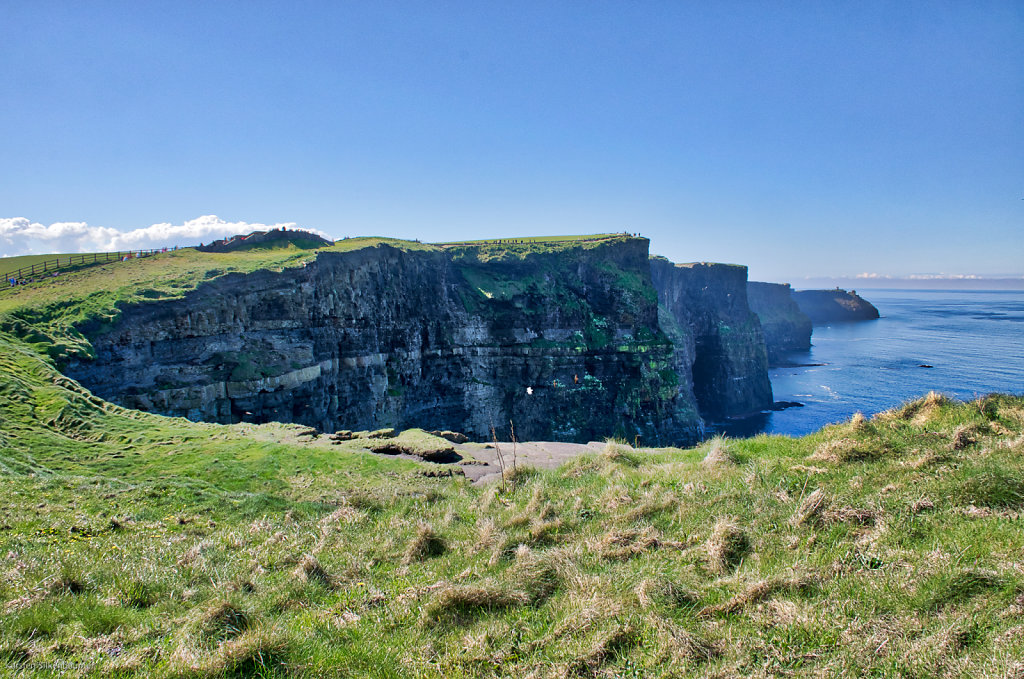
[14,282]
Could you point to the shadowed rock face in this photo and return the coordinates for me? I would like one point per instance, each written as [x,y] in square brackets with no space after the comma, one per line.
[828,306]
[567,345]
[730,363]
[786,328]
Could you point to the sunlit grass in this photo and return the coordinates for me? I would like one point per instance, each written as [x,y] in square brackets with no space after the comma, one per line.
[139,543]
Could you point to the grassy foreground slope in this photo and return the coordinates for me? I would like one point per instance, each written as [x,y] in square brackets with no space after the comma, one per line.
[138,545]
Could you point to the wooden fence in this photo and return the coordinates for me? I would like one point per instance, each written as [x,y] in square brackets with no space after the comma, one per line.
[85,259]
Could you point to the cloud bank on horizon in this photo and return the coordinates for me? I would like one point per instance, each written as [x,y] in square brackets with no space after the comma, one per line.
[931,276]
[20,236]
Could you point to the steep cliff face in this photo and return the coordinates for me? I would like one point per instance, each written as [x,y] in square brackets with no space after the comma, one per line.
[828,306]
[730,363]
[786,328]
[567,345]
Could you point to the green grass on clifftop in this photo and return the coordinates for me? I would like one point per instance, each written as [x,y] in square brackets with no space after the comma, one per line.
[520,248]
[47,312]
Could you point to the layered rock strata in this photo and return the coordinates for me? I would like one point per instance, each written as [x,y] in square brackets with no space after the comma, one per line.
[730,362]
[567,345]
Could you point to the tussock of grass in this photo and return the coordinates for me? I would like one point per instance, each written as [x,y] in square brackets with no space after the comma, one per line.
[811,510]
[68,582]
[679,646]
[936,651]
[135,593]
[424,545]
[922,505]
[626,543]
[459,602]
[845,450]
[726,547]
[257,652]
[621,454]
[921,410]
[719,455]
[651,592]
[488,535]
[346,514]
[536,575]
[520,474]
[948,588]
[607,647]
[623,544]
[857,516]
[926,459]
[652,504]
[1012,413]
[537,509]
[965,435]
[987,484]
[219,621]
[754,593]
[859,424]
[310,570]
[545,531]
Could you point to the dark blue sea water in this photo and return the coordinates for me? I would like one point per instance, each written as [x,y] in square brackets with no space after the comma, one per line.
[974,340]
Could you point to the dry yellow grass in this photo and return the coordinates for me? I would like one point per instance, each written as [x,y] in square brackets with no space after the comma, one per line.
[843,450]
[726,547]
[755,592]
[310,570]
[621,454]
[452,602]
[424,545]
[718,456]
[811,509]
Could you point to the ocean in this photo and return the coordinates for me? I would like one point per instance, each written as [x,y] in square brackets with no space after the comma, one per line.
[971,341]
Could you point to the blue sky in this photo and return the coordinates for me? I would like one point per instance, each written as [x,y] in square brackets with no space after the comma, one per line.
[799,138]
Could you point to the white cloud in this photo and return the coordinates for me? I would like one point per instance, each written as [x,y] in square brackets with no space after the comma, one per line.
[872,275]
[19,236]
[943,276]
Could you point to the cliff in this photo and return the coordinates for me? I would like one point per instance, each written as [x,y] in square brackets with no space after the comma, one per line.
[564,342]
[828,306]
[730,362]
[786,327]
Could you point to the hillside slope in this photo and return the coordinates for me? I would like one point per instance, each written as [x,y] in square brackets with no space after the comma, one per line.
[139,544]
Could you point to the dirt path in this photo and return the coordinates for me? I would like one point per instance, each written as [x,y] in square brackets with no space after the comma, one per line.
[480,460]
[543,454]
